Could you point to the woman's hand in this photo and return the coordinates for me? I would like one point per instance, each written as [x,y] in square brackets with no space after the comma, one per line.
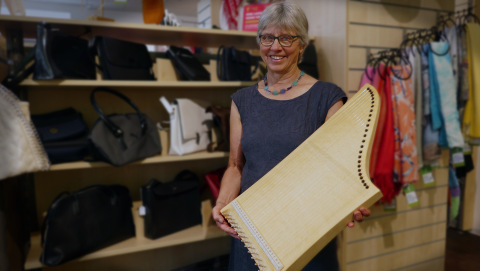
[358,216]
[222,222]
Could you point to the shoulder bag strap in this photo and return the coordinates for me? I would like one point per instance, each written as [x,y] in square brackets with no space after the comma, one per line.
[111,126]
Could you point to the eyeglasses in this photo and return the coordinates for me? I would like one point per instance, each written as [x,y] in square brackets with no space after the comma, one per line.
[284,40]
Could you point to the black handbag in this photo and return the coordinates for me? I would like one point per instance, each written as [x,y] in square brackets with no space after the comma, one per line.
[119,139]
[171,206]
[122,60]
[85,221]
[234,65]
[187,65]
[59,56]
[64,135]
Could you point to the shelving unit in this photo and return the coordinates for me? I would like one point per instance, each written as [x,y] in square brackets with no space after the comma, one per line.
[49,95]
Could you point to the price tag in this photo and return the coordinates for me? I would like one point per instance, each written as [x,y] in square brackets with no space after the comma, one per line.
[411,195]
[458,159]
[427,176]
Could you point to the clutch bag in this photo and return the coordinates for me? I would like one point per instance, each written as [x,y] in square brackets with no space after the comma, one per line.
[292,212]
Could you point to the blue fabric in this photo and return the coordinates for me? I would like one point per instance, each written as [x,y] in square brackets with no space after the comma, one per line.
[435,103]
[271,130]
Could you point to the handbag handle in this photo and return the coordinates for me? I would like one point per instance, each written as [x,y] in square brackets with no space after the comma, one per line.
[110,125]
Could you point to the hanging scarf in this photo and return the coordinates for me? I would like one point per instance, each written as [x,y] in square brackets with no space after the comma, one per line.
[383,173]
[229,14]
[462,70]
[442,76]
[471,120]
[455,192]
[431,150]
[406,165]
[417,89]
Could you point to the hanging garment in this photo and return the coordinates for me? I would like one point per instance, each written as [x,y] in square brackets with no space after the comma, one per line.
[449,35]
[435,103]
[462,70]
[383,175]
[442,74]
[471,121]
[431,149]
[417,89]
[406,165]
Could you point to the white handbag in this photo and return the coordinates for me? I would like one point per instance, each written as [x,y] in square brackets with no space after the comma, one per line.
[22,151]
[189,126]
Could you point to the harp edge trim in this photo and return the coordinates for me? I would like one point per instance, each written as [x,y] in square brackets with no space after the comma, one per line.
[258,237]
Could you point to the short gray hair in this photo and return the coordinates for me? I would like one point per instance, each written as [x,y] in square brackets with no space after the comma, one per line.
[285,15]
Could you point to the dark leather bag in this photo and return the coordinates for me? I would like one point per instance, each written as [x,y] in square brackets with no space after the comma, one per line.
[120,139]
[122,60]
[171,206]
[187,65]
[85,221]
[61,56]
[64,135]
[234,65]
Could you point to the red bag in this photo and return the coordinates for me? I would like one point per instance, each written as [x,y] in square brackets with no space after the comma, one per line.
[213,180]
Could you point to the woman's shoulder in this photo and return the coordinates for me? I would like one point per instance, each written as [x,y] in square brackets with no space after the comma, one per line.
[243,92]
[328,90]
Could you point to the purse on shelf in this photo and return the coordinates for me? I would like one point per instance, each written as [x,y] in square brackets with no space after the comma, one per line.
[122,60]
[190,125]
[234,65]
[21,148]
[64,135]
[221,120]
[213,180]
[187,65]
[59,56]
[85,221]
[120,139]
[171,206]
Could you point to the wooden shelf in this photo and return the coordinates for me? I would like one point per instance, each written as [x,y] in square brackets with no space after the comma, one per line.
[151,160]
[137,32]
[138,243]
[131,83]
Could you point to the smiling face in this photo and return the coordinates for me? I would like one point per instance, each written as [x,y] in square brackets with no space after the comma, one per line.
[280,59]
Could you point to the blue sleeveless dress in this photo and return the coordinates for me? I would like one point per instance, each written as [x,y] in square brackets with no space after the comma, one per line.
[271,130]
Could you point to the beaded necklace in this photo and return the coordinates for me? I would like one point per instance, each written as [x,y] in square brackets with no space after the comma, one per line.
[283,90]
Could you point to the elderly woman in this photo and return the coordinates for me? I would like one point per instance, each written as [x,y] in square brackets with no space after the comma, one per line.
[271,118]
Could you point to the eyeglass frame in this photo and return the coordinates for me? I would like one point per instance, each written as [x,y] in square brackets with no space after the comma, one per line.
[277,38]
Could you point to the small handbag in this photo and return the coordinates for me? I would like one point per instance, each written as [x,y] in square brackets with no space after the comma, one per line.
[213,180]
[172,206]
[120,139]
[187,66]
[122,60]
[189,126]
[85,221]
[64,135]
[59,55]
[234,65]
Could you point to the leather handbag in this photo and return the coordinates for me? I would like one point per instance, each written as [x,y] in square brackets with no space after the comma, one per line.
[213,180]
[64,135]
[120,139]
[234,65]
[84,221]
[122,60]
[187,65]
[190,125]
[221,120]
[59,56]
[171,206]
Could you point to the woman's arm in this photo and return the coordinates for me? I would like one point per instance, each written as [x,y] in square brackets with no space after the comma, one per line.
[230,184]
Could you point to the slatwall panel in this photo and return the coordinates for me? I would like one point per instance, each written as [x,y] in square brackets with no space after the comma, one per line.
[410,238]
[378,25]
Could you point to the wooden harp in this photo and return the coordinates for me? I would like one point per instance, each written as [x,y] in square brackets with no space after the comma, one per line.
[292,212]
